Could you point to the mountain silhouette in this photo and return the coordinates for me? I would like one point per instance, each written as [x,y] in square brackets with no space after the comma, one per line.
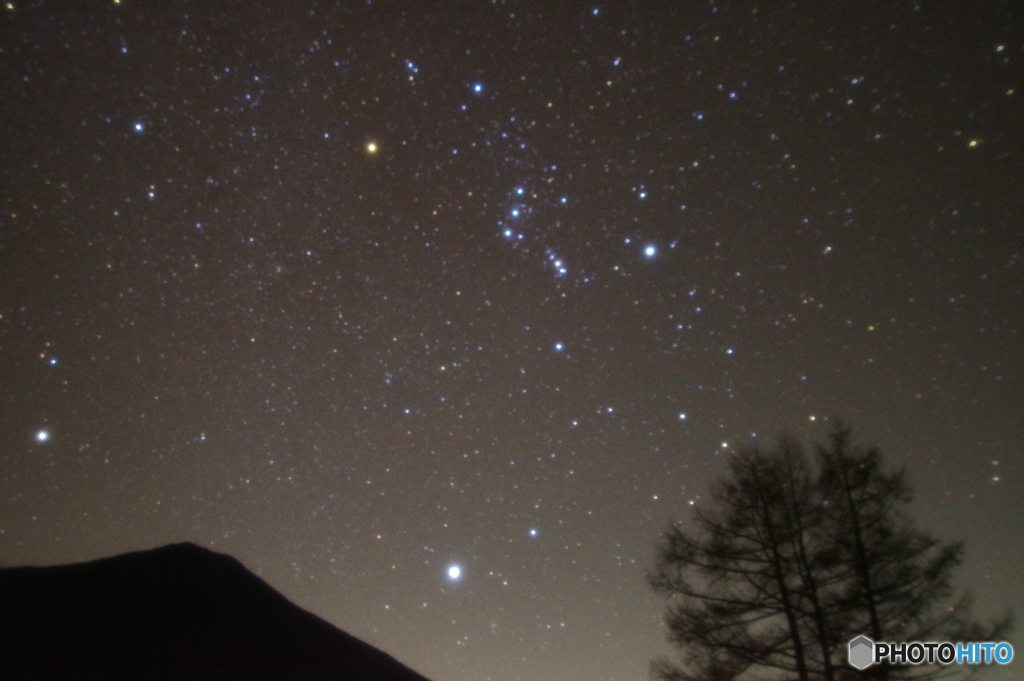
[173,613]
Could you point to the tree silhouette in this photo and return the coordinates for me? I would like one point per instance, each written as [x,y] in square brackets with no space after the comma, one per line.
[789,561]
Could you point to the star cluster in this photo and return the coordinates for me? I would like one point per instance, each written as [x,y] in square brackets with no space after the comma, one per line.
[437,314]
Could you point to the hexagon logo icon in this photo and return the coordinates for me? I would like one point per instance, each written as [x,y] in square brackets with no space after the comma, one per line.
[862,652]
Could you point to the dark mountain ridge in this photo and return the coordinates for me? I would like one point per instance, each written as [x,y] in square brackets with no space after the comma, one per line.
[173,613]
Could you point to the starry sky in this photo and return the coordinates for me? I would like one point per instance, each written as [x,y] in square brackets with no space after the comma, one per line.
[437,315]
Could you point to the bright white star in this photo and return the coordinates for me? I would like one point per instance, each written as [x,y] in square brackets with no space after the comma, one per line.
[454,572]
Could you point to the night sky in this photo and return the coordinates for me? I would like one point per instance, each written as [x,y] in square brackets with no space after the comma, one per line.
[361,292]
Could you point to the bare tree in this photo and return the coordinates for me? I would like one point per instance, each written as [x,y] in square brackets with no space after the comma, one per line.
[901,579]
[790,561]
